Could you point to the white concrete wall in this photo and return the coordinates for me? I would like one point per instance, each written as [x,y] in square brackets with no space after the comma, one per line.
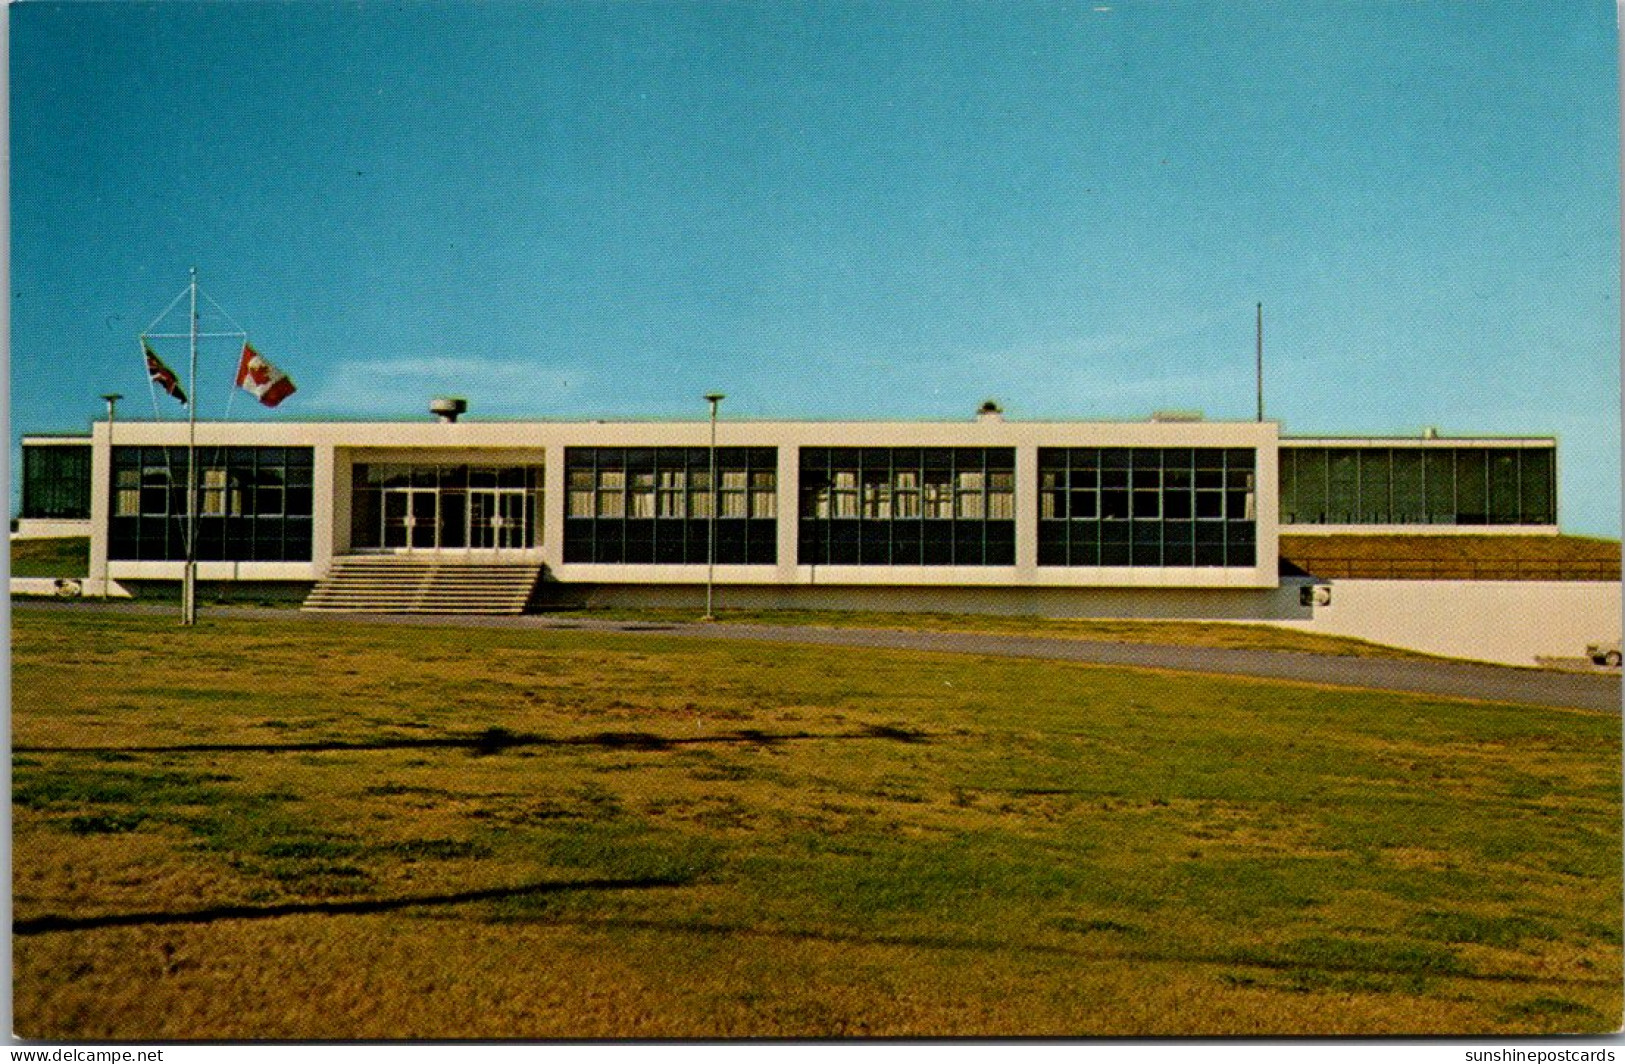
[302,572]
[71,587]
[45,528]
[101,500]
[1511,622]
[1220,604]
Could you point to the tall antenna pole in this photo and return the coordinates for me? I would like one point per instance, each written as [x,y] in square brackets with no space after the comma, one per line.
[189,580]
[1260,369]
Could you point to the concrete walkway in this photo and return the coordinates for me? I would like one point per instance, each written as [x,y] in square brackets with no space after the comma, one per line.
[1492,683]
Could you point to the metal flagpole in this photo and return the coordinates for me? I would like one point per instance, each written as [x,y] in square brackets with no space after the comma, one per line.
[189,582]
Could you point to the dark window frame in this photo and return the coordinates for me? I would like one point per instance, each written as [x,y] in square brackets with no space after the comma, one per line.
[745,477]
[56,482]
[235,530]
[1501,485]
[937,509]
[1168,507]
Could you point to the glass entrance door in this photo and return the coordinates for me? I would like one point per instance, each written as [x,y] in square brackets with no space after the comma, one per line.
[411,518]
[497,520]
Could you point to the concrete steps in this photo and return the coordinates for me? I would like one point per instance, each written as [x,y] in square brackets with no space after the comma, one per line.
[406,584]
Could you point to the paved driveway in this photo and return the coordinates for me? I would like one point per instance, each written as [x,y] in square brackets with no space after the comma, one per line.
[1453,679]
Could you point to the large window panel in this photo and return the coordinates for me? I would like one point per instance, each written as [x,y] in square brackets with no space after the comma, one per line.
[656,505]
[1472,487]
[1287,496]
[1375,486]
[1311,467]
[56,482]
[907,506]
[1503,474]
[247,508]
[1410,505]
[1535,486]
[1342,486]
[1146,507]
[1438,485]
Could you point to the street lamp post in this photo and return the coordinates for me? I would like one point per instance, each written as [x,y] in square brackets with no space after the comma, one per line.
[111,399]
[714,398]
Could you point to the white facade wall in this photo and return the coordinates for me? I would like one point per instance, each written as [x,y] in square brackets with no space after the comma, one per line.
[338,446]
[1187,604]
[1505,622]
[47,528]
[1511,622]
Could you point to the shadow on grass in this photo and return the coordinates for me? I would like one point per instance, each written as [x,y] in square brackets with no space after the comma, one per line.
[1291,959]
[498,740]
[39,925]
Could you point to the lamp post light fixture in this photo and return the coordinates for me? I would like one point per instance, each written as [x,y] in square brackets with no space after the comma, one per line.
[714,398]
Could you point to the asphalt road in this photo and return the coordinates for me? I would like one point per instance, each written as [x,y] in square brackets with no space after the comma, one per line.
[1492,683]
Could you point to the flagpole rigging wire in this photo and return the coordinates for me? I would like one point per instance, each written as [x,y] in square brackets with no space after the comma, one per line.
[242,334]
[193,335]
[223,313]
[167,309]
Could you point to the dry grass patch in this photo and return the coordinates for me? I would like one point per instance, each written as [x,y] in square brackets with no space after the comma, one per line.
[67,556]
[1168,633]
[282,829]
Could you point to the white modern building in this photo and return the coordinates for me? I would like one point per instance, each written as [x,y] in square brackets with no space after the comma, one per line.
[1168,517]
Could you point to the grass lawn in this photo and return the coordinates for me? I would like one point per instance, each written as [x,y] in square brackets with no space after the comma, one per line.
[51,557]
[292,830]
[1167,633]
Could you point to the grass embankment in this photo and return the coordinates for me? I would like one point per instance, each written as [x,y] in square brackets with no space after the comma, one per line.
[282,829]
[67,557]
[1452,556]
[1165,633]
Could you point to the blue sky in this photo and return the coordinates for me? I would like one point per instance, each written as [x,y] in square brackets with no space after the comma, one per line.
[866,210]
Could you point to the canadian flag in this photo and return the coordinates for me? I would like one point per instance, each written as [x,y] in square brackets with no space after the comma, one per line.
[261,379]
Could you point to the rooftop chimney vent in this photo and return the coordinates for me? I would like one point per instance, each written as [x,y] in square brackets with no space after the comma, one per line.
[990,410]
[448,408]
[1430,433]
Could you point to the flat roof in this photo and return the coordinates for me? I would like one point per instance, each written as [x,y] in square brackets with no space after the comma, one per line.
[1418,441]
[282,425]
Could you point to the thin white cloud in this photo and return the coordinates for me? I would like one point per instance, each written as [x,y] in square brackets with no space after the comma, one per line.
[402,386]
[1114,373]
[1095,348]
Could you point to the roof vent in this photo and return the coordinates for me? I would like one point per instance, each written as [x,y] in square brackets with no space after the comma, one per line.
[1176,415]
[990,410]
[1430,433]
[448,408]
